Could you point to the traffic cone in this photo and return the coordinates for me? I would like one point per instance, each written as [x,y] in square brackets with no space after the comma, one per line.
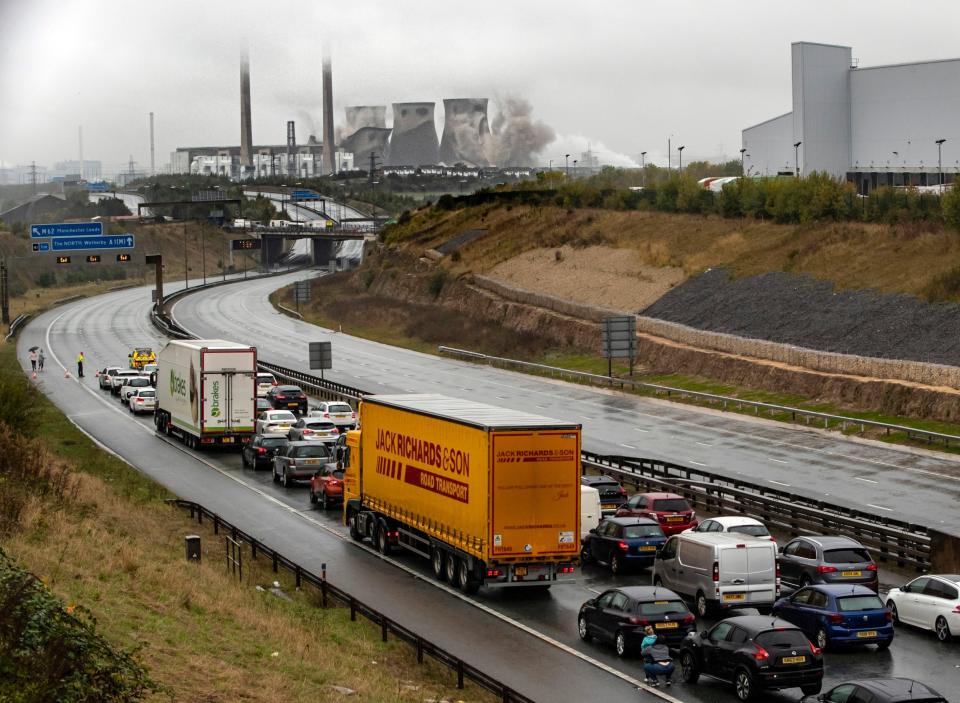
[66,374]
[34,376]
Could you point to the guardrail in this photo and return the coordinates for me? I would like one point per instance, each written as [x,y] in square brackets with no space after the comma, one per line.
[18,322]
[891,540]
[840,421]
[423,646]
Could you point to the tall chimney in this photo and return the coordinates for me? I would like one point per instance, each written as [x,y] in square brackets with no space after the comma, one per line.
[291,148]
[246,129]
[329,149]
[153,170]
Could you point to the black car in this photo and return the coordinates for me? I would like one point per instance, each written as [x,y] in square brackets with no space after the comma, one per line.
[620,615]
[288,398]
[612,494]
[259,452]
[623,543]
[882,691]
[755,653]
[827,559]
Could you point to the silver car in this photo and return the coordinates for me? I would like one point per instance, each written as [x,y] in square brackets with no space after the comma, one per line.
[142,400]
[340,414]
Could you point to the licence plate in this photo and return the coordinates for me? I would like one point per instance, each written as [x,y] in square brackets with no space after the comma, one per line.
[666,625]
[794,660]
[607,506]
[648,548]
[228,440]
[341,417]
[520,571]
[292,405]
[734,596]
[867,633]
[311,462]
[675,518]
[851,573]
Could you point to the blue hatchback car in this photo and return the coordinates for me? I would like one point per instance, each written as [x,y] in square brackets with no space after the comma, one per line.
[834,614]
[623,542]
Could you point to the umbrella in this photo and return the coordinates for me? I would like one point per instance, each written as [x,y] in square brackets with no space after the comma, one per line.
[34,348]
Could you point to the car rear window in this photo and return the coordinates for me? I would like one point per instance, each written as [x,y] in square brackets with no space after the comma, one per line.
[605,485]
[782,639]
[847,555]
[289,389]
[139,381]
[639,531]
[281,416]
[661,607]
[339,408]
[676,505]
[752,530]
[317,451]
[264,378]
[848,603]
[147,394]
[322,425]
[272,441]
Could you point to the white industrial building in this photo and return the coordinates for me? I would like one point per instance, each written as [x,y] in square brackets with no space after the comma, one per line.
[874,126]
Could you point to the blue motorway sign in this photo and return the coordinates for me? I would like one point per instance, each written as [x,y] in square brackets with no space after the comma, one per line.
[111,241]
[67,229]
[304,195]
[41,246]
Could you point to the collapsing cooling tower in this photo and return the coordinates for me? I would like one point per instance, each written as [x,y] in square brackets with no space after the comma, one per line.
[465,131]
[360,116]
[414,138]
[365,141]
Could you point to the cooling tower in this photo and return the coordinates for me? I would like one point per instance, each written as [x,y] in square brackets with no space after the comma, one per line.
[246,130]
[364,141]
[414,138]
[465,131]
[360,116]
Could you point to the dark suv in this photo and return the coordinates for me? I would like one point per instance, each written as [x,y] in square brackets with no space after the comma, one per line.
[299,461]
[288,398]
[819,559]
[755,653]
[612,494]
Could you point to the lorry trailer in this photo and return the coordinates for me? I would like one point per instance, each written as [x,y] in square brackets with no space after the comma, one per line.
[206,392]
[490,496]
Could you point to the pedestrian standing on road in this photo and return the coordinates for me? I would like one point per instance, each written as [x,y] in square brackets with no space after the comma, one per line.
[40,360]
[80,365]
[33,359]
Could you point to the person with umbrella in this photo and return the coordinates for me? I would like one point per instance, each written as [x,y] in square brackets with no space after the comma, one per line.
[32,355]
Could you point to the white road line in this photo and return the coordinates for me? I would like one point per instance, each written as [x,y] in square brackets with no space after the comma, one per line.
[698,463]
[778,483]
[594,590]
[704,444]
[865,480]
[879,507]
[779,461]
[413,572]
[640,429]
[628,446]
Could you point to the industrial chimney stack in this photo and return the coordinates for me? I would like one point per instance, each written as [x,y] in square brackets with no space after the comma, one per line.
[329,149]
[246,129]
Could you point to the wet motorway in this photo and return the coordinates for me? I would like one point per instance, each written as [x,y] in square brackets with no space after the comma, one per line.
[529,641]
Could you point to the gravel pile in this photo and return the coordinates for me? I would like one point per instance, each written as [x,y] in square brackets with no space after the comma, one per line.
[799,310]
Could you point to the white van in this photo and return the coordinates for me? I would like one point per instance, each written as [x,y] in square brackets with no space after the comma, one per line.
[590,510]
[719,571]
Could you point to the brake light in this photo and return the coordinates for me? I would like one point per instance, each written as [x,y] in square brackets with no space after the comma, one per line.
[567,568]
[334,431]
[274,383]
[687,619]
[814,649]
[824,569]
[760,655]
[639,621]
[872,567]
[281,397]
[623,491]
[494,573]
[261,450]
[889,614]
[306,431]
[326,414]
[623,546]
[139,400]
[835,618]
[957,609]
[353,416]
[716,572]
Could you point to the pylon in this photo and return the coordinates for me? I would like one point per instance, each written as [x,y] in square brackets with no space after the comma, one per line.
[66,374]
[34,375]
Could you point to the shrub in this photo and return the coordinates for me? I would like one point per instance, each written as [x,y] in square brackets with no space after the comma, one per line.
[45,279]
[437,281]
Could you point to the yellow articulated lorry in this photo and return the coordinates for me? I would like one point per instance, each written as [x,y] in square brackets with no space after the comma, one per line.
[490,496]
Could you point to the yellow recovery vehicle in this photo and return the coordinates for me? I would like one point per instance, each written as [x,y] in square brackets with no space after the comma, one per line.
[140,356]
[491,496]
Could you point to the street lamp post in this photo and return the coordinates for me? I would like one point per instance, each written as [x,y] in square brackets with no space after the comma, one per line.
[680,161]
[742,152]
[643,168]
[574,168]
[940,165]
[796,157]
[566,164]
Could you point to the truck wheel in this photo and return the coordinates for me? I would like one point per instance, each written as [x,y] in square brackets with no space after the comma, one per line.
[383,543]
[465,580]
[355,533]
[437,561]
[451,569]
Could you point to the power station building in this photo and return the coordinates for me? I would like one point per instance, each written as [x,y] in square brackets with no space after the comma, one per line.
[875,126]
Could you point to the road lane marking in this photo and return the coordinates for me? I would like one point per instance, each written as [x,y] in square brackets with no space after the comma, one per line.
[865,480]
[779,461]
[879,507]
[299,513]
[628,446]
[594,590]
[704,444]
[698,463]
[779,483]
[640,429]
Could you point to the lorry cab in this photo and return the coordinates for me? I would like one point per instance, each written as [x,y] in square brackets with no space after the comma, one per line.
[350,461]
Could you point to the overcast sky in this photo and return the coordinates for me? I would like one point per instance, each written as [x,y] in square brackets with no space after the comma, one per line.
[623,75]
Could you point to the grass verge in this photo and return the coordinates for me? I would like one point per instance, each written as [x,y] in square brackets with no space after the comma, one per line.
[109,544]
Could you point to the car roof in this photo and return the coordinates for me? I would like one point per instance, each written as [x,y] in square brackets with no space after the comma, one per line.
[954,578]
[598,479]
[631,520]
[645,593]
[760,623]
[829,541]
[304,443]
[656,496]
[277,412]
[896,687]
[733,520]
[273,435]
[840,589]
[288,385]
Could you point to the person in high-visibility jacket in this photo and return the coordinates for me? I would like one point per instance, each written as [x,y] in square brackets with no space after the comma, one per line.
[80,365]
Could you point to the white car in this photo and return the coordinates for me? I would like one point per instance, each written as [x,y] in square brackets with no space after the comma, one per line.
[105,376]
[143,400]
[340,414]
[265,381]
[735,524]
[279,421]
[118,379]
[931,602]
[131,384]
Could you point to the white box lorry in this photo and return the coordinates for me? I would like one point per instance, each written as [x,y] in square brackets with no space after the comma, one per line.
[206,391]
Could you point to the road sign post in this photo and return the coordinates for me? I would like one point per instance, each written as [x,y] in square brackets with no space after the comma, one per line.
[619,337]
[157,260]
[321,356]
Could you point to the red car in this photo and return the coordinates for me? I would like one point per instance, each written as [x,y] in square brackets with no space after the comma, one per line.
[326,487]
[673,512]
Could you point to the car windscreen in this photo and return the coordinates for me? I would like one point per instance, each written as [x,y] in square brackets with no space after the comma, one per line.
[752,530]
[640,531]
[676,505]
[847,555]
[865,602]
[272,441]
[339,408]
[783,639]
[662,607]
[317,451]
